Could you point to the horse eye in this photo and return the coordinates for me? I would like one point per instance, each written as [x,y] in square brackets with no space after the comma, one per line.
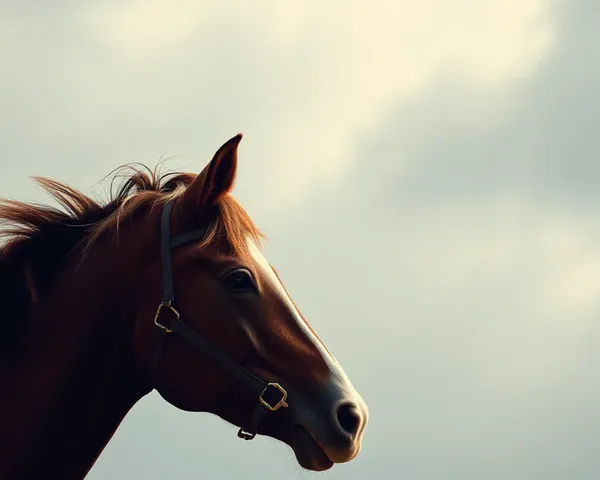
[240,281]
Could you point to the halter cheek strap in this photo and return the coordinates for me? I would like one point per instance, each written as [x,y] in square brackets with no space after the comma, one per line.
[271,396]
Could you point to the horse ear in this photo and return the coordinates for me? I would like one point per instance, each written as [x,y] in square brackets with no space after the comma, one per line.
[216,180]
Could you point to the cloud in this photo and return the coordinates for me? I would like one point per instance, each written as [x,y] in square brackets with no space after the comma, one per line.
[464,239]
[532,136]
[145,78]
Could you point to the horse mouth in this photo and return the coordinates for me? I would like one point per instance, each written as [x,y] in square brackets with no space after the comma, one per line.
[308,452]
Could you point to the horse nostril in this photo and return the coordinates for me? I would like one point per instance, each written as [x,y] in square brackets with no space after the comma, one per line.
[348,418]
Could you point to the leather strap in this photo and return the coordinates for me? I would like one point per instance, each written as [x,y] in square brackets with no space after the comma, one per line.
[166,246]
[187,238]
[165,254]
[218,356]
[249,432]
[261,388]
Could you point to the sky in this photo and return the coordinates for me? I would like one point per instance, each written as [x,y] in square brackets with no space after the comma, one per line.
[426,174]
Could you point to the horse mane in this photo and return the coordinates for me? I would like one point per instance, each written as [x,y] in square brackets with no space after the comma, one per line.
[38,240]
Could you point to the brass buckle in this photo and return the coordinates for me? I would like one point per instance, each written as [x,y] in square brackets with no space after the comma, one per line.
[280,403]
[158,312]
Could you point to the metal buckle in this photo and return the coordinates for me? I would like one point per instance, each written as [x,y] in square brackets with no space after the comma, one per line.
[158,312]
[280,403]
[245,435]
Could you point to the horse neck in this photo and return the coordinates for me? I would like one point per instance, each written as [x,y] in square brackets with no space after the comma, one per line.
[74,379]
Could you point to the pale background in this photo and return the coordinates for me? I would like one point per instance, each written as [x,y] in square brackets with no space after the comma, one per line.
[427,173]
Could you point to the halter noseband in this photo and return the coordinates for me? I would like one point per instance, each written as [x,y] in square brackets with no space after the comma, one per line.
[271,396]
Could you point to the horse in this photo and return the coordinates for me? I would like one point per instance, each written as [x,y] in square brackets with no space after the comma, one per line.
[162,287]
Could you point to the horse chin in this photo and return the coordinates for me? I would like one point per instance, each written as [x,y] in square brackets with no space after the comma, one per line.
[308,452]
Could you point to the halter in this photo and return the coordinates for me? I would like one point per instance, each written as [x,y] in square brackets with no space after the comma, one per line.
[271,396]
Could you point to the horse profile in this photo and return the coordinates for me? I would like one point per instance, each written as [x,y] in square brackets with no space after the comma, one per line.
[163,287]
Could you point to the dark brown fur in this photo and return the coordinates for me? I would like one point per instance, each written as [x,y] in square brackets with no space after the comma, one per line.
[38,238]
[79,289]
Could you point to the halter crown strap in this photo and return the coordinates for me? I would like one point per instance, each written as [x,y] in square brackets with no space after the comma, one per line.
[165,254]
[271,396]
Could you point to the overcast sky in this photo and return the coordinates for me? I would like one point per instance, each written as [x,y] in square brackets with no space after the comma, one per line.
[427,174]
